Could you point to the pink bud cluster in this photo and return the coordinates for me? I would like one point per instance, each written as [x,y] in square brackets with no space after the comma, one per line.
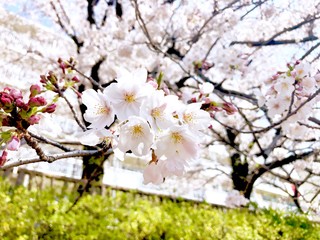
[14,108]
[18,113]
[209,105]
[67,79]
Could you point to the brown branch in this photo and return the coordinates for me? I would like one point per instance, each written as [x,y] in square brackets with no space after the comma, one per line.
[257,173]
[73,36]
[272,42]
[51,142]
[93,82]
[310,51]
[52,158]
[33,143]
[75,116]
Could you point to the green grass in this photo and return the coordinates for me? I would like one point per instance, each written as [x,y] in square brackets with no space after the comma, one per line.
[28,214]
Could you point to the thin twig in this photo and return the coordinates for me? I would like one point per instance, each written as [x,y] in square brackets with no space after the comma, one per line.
[93,82]
[51,142]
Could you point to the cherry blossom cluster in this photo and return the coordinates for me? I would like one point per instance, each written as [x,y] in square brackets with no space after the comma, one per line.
[288,90]
[18,113]
[150,124]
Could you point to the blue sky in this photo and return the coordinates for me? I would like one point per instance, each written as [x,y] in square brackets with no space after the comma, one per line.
[18,9]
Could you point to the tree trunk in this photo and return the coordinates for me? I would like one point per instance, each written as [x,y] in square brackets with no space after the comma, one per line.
[92,173]
[240,175]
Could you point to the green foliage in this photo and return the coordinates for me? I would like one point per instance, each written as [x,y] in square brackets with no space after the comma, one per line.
[42,215]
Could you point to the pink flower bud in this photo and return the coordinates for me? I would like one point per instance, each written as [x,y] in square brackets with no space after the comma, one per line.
[192,100]
[3,158]
[34,90]
[50,109]
[229,108]
[63,65]
[214,108]
[13,144]
[34,119]
[21,104]
[52,77]
[15,93]
[43,79]
[37,101]
[75,79]
[5,99]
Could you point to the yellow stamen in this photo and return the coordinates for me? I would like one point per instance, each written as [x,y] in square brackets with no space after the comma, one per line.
[102,110]
[156,113]
[137,130]
[188,117]
[300,71]
[176,137]
[129,97]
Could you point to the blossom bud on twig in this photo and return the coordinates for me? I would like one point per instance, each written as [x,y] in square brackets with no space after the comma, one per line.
[15,93]
[37,101]
[75,79]
[34,90]
[13,144]
[229,108]
[34,119]
[21,104]
[50,108]
[3,158]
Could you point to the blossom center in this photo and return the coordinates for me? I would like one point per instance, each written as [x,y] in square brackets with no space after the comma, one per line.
[129,97]
[102,110]
[188,117]
[156,113]
[176,137]
[300,71]
[137,130]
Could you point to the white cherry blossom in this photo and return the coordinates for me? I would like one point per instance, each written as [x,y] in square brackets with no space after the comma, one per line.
[194,117]
[99,111]
[284,86]
[206,88]
[177,143]
[135,135]
[92,137]
[173,167]
[152,174]
[302,70]
[156,111]
[276,106]
[128,93]
[309,85]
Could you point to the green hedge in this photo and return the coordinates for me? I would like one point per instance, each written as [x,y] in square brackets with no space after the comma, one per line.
[41,215]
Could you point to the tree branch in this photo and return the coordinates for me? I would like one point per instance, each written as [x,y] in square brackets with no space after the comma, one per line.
[54,157]
[272,42]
